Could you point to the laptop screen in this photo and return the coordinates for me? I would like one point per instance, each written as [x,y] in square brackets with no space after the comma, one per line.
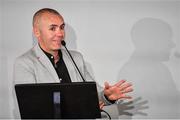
[58,100]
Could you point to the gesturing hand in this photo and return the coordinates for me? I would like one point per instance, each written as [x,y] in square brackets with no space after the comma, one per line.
[118,91]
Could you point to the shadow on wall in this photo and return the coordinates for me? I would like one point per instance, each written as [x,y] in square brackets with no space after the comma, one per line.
[70,37]
[155,94]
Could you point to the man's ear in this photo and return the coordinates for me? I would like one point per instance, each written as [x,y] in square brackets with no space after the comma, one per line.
[36,32]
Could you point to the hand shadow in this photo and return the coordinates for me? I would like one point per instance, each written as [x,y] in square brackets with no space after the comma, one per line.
[131,108]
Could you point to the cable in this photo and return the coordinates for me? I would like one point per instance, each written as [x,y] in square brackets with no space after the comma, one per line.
[106,114]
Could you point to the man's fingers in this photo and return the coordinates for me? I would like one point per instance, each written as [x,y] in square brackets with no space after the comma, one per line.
[127,90]
[126,97]
[106,85]
[120,83]
[126,86]
[101,105]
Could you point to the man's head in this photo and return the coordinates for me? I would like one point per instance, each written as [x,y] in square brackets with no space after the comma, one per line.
[48,27]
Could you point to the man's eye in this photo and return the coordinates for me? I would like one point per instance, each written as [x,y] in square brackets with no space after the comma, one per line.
[62,27]
[53,28]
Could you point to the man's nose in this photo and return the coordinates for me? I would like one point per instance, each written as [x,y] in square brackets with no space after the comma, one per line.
[60,32]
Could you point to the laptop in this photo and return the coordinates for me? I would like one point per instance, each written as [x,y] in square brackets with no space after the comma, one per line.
[76,100]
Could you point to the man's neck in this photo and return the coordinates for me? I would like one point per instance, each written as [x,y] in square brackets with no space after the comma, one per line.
[54,53]
[56,56]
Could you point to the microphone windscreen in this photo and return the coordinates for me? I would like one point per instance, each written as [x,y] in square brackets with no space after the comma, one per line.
[63,43]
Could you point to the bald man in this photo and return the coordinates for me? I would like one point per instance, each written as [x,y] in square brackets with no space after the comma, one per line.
[46,62]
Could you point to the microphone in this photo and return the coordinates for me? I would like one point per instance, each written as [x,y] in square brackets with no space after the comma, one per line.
[64,44]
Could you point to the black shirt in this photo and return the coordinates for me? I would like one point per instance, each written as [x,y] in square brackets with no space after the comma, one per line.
[60,67]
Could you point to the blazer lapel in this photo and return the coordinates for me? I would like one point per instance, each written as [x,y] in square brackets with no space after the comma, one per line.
[70,66]
[46,62]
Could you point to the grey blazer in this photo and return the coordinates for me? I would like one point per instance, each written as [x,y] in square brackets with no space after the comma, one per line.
[35,67]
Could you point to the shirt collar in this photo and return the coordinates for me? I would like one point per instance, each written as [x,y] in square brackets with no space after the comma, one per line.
[51,57]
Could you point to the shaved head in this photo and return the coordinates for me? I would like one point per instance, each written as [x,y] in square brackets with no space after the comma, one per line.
[38,15]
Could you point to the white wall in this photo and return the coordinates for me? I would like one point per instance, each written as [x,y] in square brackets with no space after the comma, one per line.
[106,32]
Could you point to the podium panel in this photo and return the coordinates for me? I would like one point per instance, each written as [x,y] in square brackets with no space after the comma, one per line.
[58,100]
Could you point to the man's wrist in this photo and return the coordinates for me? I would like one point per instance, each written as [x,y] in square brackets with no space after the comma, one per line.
[111,101]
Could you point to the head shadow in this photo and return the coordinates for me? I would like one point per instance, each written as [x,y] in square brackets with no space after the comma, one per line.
[152,39]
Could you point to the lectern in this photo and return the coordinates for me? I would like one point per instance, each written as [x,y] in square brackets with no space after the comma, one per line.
[77,100]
